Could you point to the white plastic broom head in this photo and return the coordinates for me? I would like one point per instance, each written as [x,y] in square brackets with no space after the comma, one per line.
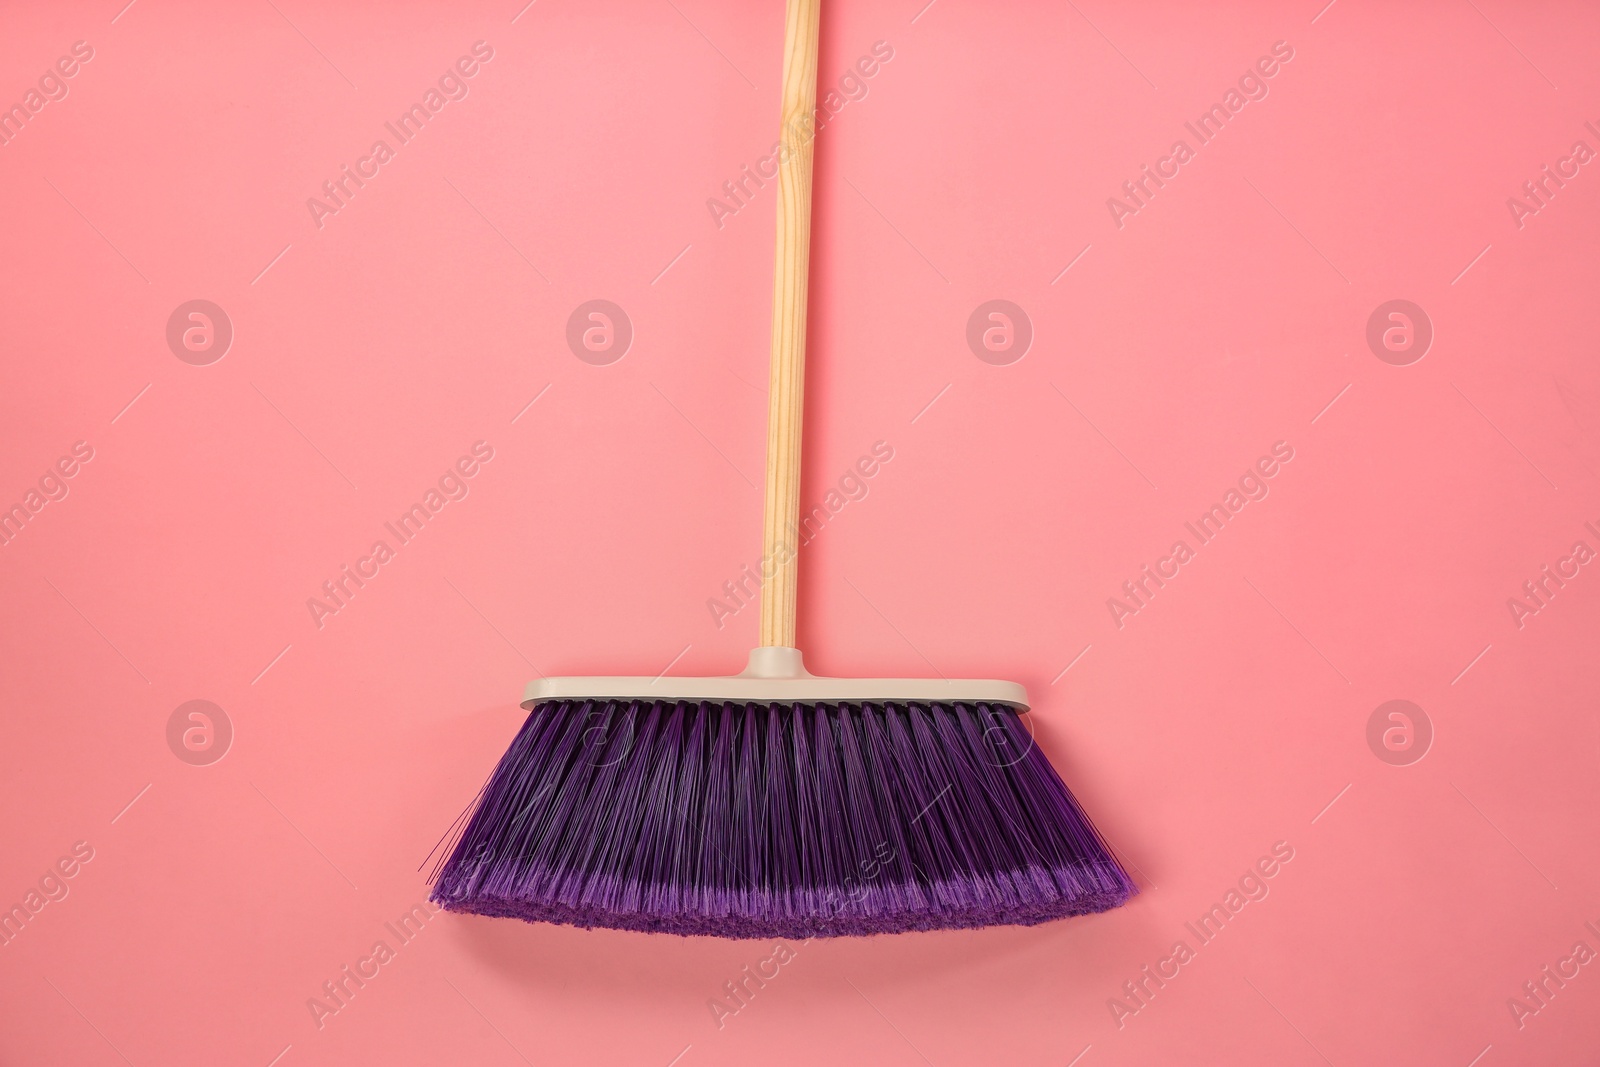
[778,676]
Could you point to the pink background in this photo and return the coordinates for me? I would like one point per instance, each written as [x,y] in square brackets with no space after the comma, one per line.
[1228,314]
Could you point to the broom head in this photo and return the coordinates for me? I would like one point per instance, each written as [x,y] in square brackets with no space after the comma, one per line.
[777,804]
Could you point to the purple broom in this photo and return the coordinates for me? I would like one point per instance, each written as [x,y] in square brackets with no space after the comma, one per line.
[775,803]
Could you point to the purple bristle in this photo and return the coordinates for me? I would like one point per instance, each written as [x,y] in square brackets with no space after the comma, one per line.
[778,820]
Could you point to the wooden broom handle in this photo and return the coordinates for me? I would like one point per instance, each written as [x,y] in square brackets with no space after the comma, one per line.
[786,387]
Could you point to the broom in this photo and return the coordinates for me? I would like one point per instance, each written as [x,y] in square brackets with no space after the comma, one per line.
[775,803]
